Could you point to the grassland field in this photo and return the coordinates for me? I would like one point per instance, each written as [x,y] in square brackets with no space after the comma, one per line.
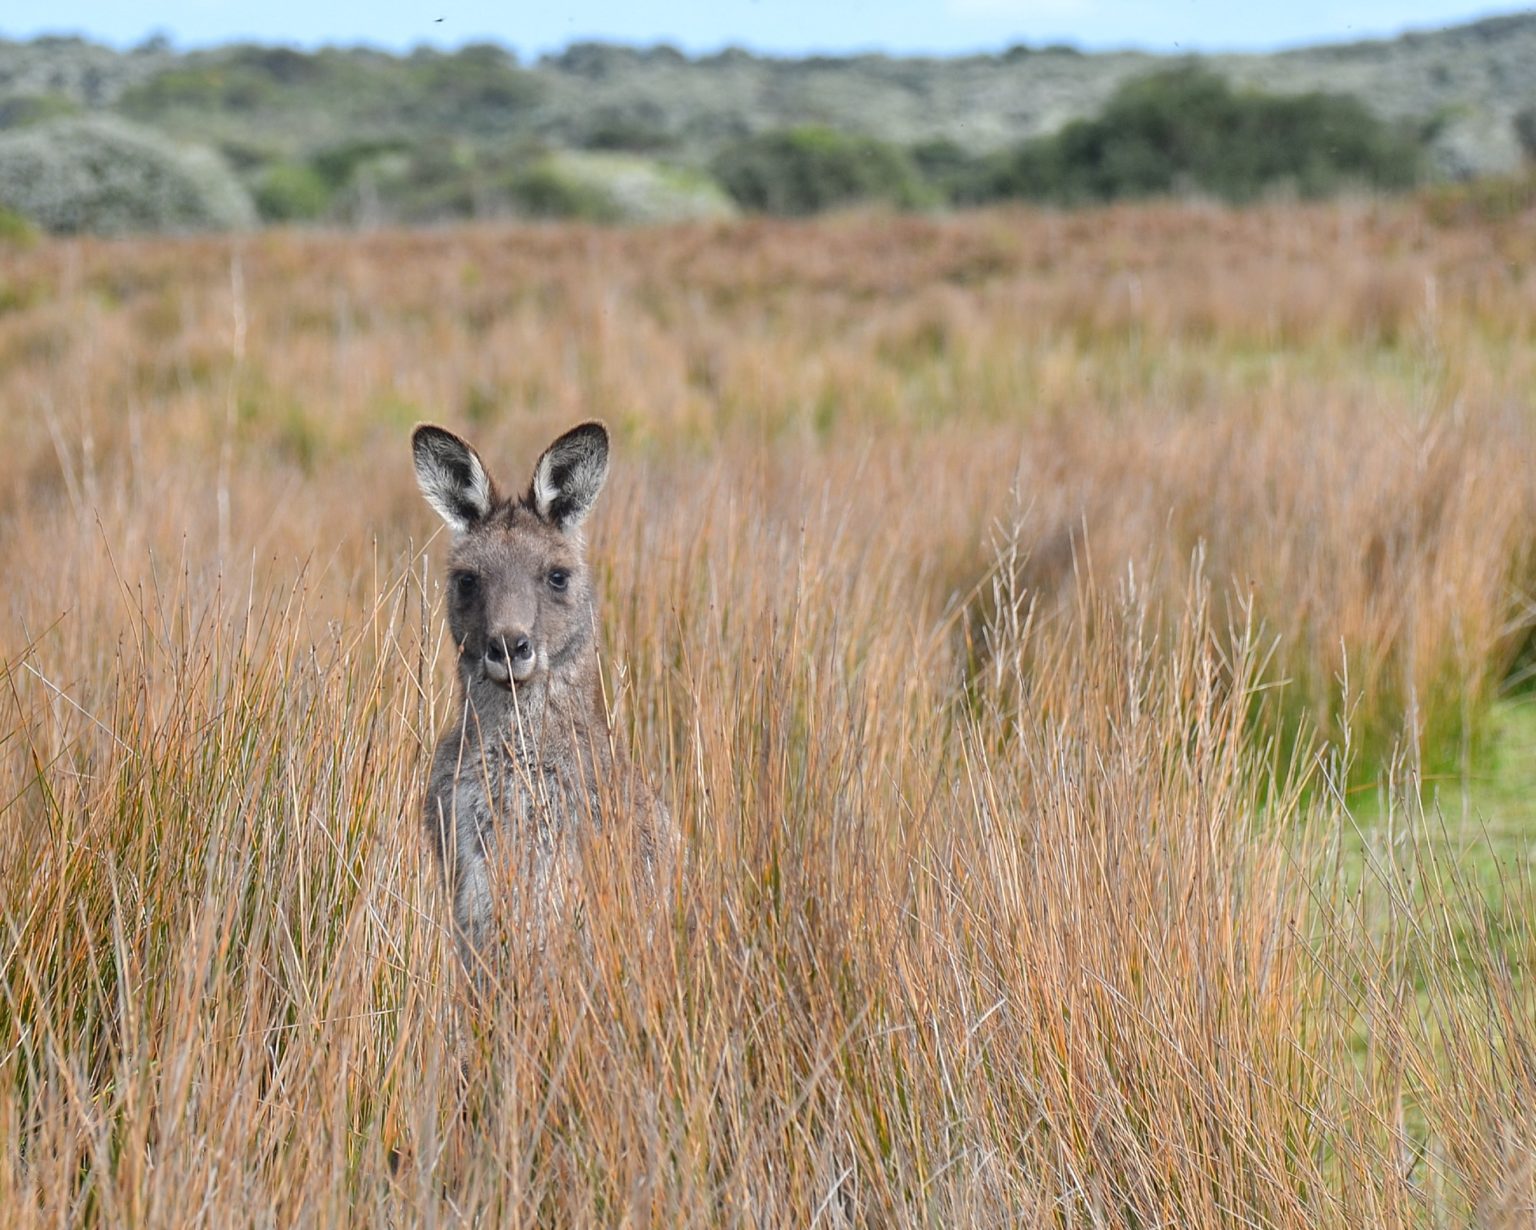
[1090,655]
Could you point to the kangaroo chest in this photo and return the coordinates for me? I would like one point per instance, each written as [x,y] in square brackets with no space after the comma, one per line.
[490,793]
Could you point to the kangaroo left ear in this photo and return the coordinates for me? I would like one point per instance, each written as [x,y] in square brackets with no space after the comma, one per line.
[451,476]
[570,474]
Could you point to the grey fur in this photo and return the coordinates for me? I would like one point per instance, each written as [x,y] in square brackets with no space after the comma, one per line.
[530,766]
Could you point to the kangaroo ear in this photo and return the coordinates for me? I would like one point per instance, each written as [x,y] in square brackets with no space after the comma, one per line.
[452,476]
[570,474]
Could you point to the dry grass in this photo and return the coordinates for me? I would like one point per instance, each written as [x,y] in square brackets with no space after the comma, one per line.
[979,590]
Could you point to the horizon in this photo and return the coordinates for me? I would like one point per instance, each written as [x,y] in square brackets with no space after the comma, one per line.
[1077,24]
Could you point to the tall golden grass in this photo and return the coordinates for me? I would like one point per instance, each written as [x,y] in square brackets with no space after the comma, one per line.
[1013,609]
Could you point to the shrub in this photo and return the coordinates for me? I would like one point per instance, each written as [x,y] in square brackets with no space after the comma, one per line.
[201,87]
[949,169]
[437,181]
[281,65]
[21,110]
[15,230]
[614,188]
[103,174]
[1525,132]
[432,181]
[292,192]
[1187,129]
[808,169]
[337,164]
[234,79]
[477,88]
[545,190]
[633,130]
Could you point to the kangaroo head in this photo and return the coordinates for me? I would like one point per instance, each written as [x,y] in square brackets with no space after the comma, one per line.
[519,594]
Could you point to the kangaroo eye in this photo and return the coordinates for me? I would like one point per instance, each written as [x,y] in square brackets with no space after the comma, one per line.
[465,585]
[558,579]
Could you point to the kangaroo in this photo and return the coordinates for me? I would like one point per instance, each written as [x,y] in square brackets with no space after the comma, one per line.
[529,766]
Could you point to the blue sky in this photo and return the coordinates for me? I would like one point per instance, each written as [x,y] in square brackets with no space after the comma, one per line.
[783,26]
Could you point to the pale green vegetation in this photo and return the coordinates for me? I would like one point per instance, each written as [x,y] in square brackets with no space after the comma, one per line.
[1087,653]
[356,136]
[104,175]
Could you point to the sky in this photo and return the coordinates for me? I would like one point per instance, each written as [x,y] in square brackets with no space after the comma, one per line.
[788,27]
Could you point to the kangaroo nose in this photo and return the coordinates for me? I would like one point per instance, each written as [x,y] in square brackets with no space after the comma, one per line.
[520,646]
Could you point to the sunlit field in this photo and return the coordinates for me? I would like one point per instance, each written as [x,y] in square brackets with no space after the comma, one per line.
[1086,655]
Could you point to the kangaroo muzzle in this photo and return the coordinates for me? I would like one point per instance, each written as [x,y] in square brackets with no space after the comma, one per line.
[510,659]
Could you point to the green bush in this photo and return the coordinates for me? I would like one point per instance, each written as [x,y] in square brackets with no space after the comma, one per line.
[1187,130]
[292,192]
[435,181]
[432,181]
[633,130]
[950,170]
[338,164]
[105,175]
[476,89]
[805,170]
[241,78]
[279,65]
[201,87]
[1525,132]
[614,188]
[16,231]
[339,94]
[21,110]
[544,190]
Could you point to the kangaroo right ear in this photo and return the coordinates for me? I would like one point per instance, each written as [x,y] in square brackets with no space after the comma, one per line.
[570,474]
[451,476]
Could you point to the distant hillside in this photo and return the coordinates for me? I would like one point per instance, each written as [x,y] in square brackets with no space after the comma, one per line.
[605,131]
[1471,80]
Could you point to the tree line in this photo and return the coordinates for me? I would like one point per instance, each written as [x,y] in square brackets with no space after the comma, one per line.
[1184,130]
